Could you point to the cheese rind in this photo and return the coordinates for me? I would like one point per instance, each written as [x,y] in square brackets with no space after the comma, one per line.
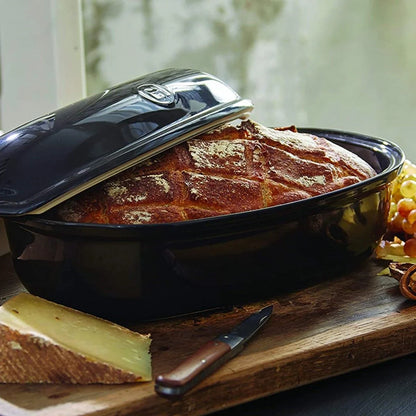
[43,342]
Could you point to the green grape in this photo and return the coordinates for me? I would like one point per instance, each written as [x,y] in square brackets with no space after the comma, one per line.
[408,188]
[402,215]
[409,177]
[409,167]
[392,210]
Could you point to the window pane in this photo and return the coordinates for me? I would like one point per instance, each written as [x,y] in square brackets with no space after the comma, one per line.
[343,64]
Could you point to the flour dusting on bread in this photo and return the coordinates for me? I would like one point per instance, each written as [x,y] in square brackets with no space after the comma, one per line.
[228,170]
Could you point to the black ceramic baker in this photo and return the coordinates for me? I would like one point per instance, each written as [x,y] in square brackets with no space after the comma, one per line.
[148,271]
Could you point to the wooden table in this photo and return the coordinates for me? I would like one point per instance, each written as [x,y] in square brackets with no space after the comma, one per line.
[335,327]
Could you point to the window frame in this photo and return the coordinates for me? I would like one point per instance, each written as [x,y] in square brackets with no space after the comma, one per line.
[42,63]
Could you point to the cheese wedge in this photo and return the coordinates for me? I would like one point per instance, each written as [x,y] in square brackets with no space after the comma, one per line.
[43,342]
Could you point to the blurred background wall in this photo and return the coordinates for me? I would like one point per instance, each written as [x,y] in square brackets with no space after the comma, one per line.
[342,64]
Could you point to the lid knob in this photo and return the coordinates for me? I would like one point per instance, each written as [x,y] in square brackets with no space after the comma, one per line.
[156,94]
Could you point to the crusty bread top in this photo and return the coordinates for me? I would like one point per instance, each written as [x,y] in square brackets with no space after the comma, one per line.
[231,169]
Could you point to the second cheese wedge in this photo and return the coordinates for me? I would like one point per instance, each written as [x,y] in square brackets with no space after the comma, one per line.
[43,342]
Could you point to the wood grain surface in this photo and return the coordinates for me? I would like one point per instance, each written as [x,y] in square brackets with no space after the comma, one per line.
[331,328]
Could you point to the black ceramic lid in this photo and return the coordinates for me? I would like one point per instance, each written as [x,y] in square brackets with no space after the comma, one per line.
[50,159]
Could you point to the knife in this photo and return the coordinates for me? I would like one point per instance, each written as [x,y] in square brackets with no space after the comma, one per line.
[210,356]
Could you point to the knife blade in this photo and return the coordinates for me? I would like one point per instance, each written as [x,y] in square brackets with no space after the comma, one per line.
[210,356]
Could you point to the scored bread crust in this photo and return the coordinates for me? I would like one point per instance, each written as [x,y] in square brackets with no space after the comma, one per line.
[231,169]
[27,358]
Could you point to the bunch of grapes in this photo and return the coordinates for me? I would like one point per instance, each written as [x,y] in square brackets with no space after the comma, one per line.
[402,215]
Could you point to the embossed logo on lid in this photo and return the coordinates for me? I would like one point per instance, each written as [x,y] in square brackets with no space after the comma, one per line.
[156,93]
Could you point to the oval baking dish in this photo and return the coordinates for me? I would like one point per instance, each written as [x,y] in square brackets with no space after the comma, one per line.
[141,272]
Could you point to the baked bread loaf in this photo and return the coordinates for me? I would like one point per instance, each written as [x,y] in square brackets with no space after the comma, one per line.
[232,169]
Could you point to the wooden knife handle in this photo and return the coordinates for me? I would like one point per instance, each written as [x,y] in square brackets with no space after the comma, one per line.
[196,364]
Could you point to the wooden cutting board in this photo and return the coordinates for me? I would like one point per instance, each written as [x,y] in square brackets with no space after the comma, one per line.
[334,327]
